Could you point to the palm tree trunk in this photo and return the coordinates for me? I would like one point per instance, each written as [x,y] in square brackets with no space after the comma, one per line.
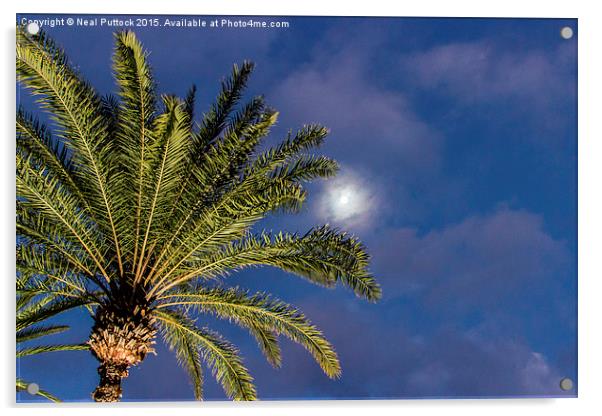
[119,339]
[109,387]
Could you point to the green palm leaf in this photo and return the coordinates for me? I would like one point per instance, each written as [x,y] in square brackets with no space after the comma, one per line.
[135,130]
[323,256]
[43,68]
[28,334]
[261,311]
[23,352]
[221,356]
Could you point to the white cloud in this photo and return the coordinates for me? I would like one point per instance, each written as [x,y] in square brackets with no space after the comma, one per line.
[536,85]
[482,261]
[367,122]
[537,374]
[388,360]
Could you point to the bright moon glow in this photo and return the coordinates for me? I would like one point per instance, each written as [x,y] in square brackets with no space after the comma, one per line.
[346,201]
[349,201]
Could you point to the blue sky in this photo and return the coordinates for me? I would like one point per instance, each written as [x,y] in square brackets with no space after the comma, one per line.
[458,145]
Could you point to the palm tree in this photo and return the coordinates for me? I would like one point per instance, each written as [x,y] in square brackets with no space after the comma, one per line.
[38,299]
[146,212]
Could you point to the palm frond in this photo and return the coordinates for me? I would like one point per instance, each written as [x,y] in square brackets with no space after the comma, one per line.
[75,107]
[189,103]
[214,146]
[169,151]
[309,137]
[267,340]
[44,194]
[322,256]
[33,261]
[220,355]
[269,183]
[30,333]
[35,139]
[215,120]
[185,346]
[135,129]
[30,317]
[23,352]
[260,310]
[219,185]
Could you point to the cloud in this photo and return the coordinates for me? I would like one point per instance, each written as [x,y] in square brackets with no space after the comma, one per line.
[481,241]
[367,121]
[468,365]
[386,360]
[534,83]
[477,261]
[482,71]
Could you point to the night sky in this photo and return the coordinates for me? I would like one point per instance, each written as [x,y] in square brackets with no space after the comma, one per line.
[458,145]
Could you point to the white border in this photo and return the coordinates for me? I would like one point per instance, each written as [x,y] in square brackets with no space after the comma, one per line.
[590,206]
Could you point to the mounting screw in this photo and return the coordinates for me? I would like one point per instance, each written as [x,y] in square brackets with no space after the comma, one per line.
[566,32]
[566,384]
[33,389]
[32,28]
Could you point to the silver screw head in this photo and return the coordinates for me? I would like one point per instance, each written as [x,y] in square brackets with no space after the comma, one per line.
[566,32]
[32,28]
[33,388]
[566,384]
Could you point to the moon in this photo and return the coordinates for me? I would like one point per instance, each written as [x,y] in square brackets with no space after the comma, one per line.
[349,201]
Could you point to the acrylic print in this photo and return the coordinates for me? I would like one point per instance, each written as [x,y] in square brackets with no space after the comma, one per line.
[295,208]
